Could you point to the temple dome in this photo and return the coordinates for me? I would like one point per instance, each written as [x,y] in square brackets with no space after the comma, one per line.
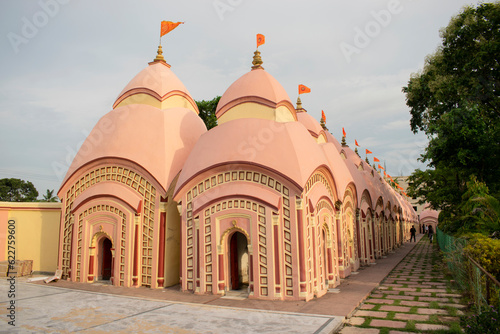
[154,139]
[157,86]
[313,126]
[256,94]
[429,214]
[284,148]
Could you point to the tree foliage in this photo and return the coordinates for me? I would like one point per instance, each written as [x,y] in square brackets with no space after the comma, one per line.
[49,196]
[207,111]
[454,99]
[16,190]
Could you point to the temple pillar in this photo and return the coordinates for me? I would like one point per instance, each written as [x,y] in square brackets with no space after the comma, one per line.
[161,244]
[135,271]
[90,277]
[302,261]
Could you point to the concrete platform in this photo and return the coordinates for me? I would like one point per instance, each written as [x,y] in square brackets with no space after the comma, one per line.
[48,309]
[62,307]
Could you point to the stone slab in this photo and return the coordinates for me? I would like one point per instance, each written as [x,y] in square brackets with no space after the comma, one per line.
[387,323]
[358,330]
[406,316]
[395,308]
[431,311]
[356,321]
[379,301]
[375,314]
[431,327]
[412,303]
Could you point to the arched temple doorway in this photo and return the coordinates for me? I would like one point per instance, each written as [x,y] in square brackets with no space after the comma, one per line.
[106,259]
[238,261]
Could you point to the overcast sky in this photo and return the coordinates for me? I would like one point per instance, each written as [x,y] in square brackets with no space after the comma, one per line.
[64,62]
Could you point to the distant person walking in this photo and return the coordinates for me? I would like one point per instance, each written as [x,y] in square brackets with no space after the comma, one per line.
[431,233]
[413,231]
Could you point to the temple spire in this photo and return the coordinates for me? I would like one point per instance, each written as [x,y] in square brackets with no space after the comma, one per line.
[257,60]
[159,54]
[299,104]
[159,57]
[323,124]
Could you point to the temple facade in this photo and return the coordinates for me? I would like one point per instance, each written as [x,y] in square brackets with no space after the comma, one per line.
[267,201]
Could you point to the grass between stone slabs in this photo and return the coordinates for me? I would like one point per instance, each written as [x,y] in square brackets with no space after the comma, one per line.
[434,305]
[434,318]
[452,311]
[410,325]
[366,324]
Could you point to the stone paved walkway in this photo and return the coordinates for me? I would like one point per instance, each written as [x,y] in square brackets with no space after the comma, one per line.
[414,298]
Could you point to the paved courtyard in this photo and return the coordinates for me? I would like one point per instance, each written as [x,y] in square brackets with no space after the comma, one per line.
[415,297]
[404,292]
[46,309]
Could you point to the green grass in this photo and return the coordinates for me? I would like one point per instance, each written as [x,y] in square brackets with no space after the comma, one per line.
[391,315]
[410,326]
[451,310]
[434,318]
[366,323]
[434,305]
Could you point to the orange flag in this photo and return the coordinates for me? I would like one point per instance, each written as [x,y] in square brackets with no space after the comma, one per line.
[368,151]
[356,142]
[261,39]
[168,26]
[323,117]
[304,89]
[343,132]
[375,159]
[380,167]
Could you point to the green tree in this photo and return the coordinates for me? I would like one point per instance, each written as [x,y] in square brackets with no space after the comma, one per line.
[207,111]
[16,190]
[49,196]
[455,101]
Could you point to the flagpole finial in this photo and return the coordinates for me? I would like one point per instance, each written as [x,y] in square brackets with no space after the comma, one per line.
[159,57]
[257,60]
[323,124]
[159,54]
[299,104]
[344,144]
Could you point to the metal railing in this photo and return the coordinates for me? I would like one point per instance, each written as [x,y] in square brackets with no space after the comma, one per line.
[483,287]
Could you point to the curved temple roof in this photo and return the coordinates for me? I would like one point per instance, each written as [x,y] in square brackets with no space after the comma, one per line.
[158,141]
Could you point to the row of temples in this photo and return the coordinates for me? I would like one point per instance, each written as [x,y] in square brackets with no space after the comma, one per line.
[268,201]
